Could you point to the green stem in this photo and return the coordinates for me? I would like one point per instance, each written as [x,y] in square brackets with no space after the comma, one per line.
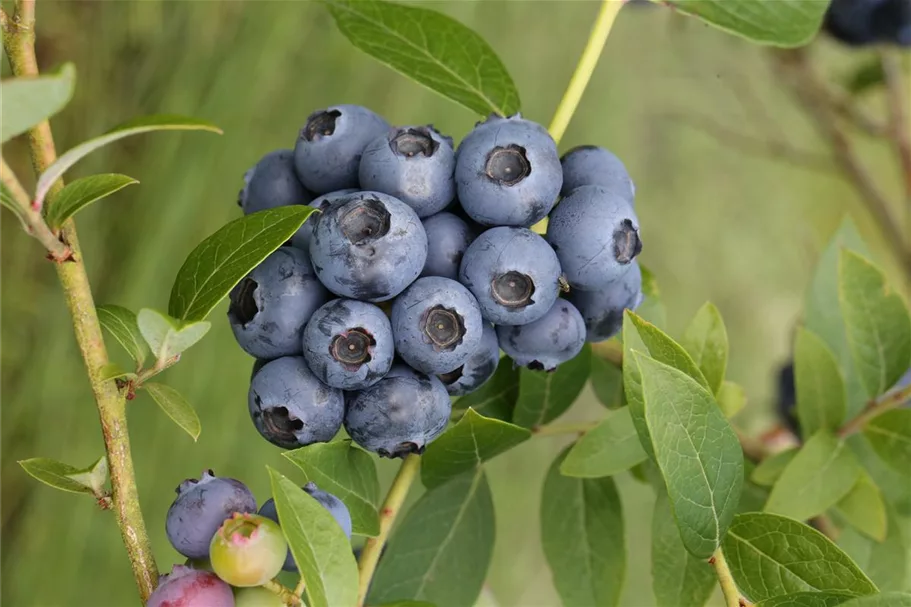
[732,596]
[19,41]
[370,556]
[32,220]
[287,597]
[301,586]
[556,429]
[886,402]
[585,68]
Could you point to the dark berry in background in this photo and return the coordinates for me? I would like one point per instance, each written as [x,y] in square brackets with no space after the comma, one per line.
[272,183]
[602,309]
[594,165]
[555,338]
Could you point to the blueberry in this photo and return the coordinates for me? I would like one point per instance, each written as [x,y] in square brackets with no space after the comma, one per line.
[595,233]
[400,414]
[545,343]
[865,22]
[513,273]
[258,364]
[348,344]
[437,324]
[508,172]
[304,234]
[271,305]
[199,510]
[368,246]
[602,309]
[447,238]
[479,367]
[291,407]
[335,506]
[186,587]
[413,163]
[328,150]
[272,183]
[593,165]
[248,550]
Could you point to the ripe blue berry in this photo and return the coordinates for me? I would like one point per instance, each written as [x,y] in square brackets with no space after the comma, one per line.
[479,367]
[199,510]
[595,233]
[413,163]
[368,246]
[248,550]
[304,234]
[602,309]
[348,344]
[186,587]
[513,273]
[329,148]
[272,183]
[593,165]
[448,237]
[553,339]
[291,407]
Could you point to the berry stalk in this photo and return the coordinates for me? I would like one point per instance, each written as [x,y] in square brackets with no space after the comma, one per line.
[19,42]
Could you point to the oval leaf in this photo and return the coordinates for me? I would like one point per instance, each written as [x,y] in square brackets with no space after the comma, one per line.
[769,469]
[94,477]
[890,436]
[431,49]
[607,383]
[697,452]
[220,261]
[678,578]
[706,339]
[822,472]
[609,448]
[885,562]
[442,549]
[864,508]
[83,192]
[466,445]
[346,472]
[819,385]
[784,23]
[807,599]
[497,397]
[59,475]
[772,556]
[886,599]
[583,538]
[123,326]
[176,407]
[133,127]
[545,396]
[731,398]
[166,336]
[319,545]
[876,322]
[28,101]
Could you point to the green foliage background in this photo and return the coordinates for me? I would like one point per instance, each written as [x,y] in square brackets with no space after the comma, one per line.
[718,224]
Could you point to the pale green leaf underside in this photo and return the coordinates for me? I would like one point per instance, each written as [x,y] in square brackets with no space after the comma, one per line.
[784,23]
[28,101]
[609,448]
[176,407]
[83,192]
[121,323]
[65,477]
[863,507]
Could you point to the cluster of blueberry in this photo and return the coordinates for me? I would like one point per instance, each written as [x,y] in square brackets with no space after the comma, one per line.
[214,523]
[420,267]
[866,22]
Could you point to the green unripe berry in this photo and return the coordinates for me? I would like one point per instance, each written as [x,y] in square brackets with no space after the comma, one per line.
[257,596]
[247,550]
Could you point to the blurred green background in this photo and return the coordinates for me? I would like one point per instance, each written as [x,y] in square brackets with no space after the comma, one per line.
[718,224]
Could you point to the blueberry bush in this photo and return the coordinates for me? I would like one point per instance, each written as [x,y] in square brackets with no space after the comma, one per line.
[406,297]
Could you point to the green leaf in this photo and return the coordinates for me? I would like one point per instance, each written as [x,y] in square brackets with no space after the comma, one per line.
[876,322]
[114,371]
[822,313]
[754,496]
[822,472]
[123,326]
[8,201]
[609,448]
[652,308]
[441,551]
[144,124]
[769,469]
[349,474]
[582,536]
[731,398]
[431,49]
[544,396]
[886,599]
[28,101]
[220,261]
[67,478]
[890,436]
[175,406]
[497,397]
[784,23]
[83,192]
[806,599]
[885,562]
[166,336]
[319,545]
[706,340]
[697,452]
[466,445]
[819,384]
[771,556]
[607,382]
[643,336]
[678,578]
[864,509]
